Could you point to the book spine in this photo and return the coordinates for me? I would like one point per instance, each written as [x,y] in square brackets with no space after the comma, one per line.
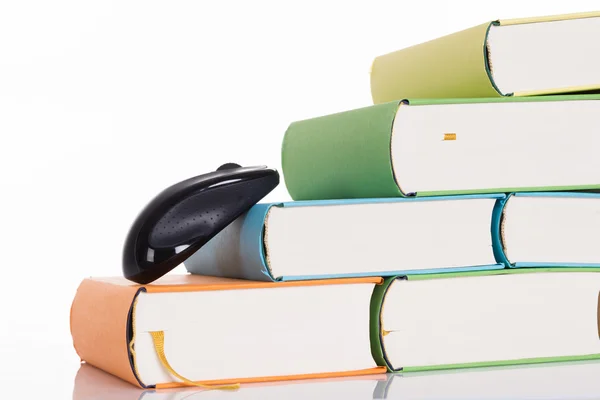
[452,66]
[99,324]
[237,251]
[341,156]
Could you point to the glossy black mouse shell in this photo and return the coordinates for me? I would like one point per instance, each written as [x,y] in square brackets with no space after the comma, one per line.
[185,216]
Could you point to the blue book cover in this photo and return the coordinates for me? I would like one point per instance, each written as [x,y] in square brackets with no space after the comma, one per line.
[360,237]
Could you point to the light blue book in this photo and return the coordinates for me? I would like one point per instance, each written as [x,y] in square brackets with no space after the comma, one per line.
[395,236]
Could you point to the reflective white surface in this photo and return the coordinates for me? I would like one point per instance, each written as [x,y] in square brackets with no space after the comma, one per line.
[541,382]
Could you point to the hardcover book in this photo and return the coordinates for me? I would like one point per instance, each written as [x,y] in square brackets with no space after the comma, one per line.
[185,330]
[391,236]
[445,147]
[512,57]
[489,318]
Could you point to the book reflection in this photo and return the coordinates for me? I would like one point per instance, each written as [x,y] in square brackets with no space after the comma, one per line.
[551,381]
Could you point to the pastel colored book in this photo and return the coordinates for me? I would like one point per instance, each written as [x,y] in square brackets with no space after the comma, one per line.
[489,318]
[390,236]
[446,147]
[185,330]
[506,57]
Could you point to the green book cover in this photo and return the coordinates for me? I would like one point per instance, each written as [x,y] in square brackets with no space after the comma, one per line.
[457,65]
[378,331]
[351,154]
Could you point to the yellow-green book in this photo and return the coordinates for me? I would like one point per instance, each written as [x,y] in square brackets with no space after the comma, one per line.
[513,57]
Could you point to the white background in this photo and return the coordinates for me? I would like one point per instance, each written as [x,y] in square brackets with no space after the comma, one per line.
[105,103]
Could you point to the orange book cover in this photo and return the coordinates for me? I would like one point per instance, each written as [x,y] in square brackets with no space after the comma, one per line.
[103,321]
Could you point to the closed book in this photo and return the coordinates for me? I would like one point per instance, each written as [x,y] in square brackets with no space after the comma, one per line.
[185,330]
[389,236]
[506,57]
[490,318]
[445,147]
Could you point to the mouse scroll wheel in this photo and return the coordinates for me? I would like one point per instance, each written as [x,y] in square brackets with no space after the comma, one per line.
[228,166]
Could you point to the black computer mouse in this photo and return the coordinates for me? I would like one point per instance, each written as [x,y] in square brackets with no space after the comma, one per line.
[185,216]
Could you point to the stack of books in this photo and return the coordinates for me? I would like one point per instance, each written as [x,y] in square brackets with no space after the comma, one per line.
[452,223]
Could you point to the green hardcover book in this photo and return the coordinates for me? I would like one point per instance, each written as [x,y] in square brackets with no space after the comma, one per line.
[492,318]
[446,147]
[520,57]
